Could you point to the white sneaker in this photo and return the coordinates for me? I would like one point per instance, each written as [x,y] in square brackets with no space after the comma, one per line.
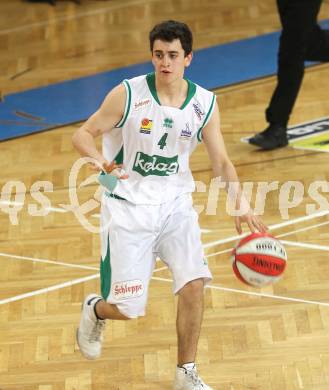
[89,333]
[189,380]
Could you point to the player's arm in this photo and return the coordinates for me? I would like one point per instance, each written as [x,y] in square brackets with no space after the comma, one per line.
[104,119]
[224,169]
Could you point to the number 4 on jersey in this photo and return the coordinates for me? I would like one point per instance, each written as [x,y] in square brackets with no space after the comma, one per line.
[163,141]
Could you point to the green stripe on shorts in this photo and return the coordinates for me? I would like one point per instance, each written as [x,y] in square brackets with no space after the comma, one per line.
[106,273]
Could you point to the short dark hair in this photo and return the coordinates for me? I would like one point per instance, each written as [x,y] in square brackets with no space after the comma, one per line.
[169,30]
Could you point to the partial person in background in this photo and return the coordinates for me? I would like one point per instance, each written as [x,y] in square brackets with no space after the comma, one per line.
[52,2]
[302,39]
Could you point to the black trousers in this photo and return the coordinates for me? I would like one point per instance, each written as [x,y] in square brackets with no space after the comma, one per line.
[301,39]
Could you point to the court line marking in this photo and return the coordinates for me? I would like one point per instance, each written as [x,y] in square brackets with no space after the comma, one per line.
[205,231]
[160,269]
[213,243]
[279,236]
[96,268]
[48,289]
[70,265]
[303,229]
[271,227]
[219,253]
[78,15]
[262,295]
[56,287]
[306,245]
[90,277]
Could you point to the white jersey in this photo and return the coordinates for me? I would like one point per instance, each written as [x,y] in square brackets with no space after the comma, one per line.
[154,142]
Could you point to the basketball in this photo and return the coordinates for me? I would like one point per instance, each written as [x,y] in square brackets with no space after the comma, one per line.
[259,259]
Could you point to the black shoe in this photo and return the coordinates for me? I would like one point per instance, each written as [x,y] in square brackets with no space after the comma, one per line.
[272,137]
[52,2]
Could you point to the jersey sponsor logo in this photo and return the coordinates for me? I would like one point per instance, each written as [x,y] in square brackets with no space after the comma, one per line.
[198,110]
[186,133]
[128,289]
[168,123]
[155,165]
[146,126]
[142,104]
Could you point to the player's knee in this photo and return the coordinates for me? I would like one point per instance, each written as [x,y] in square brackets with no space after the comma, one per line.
[193,288]
[196,284]
[131,309]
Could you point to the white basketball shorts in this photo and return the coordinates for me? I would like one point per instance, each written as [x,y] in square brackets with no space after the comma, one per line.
[133,236]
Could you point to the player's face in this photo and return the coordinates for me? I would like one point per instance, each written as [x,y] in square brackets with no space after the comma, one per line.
[169,60]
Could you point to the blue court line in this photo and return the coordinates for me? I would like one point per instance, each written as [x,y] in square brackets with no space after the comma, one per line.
[73,101]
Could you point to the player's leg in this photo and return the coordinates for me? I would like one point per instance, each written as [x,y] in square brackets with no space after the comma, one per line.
[126,267]
[189,320]
[107,311]
[180,248]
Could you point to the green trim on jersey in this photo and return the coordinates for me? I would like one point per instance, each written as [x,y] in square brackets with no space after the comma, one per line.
[127,107]
[190,93]
[150,78]
[111,195]
[106,273]
[119,157]
[206,118]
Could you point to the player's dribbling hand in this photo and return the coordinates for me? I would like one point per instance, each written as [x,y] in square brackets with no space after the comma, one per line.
[110,167]
[254,222]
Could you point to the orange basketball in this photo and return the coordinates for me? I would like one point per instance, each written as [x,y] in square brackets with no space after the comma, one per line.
[259,259]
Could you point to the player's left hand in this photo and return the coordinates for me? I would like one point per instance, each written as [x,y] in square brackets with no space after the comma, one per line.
[254,222]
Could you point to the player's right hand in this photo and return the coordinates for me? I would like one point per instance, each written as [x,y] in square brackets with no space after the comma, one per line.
[110,167]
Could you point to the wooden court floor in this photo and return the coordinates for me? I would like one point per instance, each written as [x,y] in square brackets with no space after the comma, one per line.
[274,338]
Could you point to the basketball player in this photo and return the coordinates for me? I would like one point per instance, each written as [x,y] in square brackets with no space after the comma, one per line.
[153,123]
